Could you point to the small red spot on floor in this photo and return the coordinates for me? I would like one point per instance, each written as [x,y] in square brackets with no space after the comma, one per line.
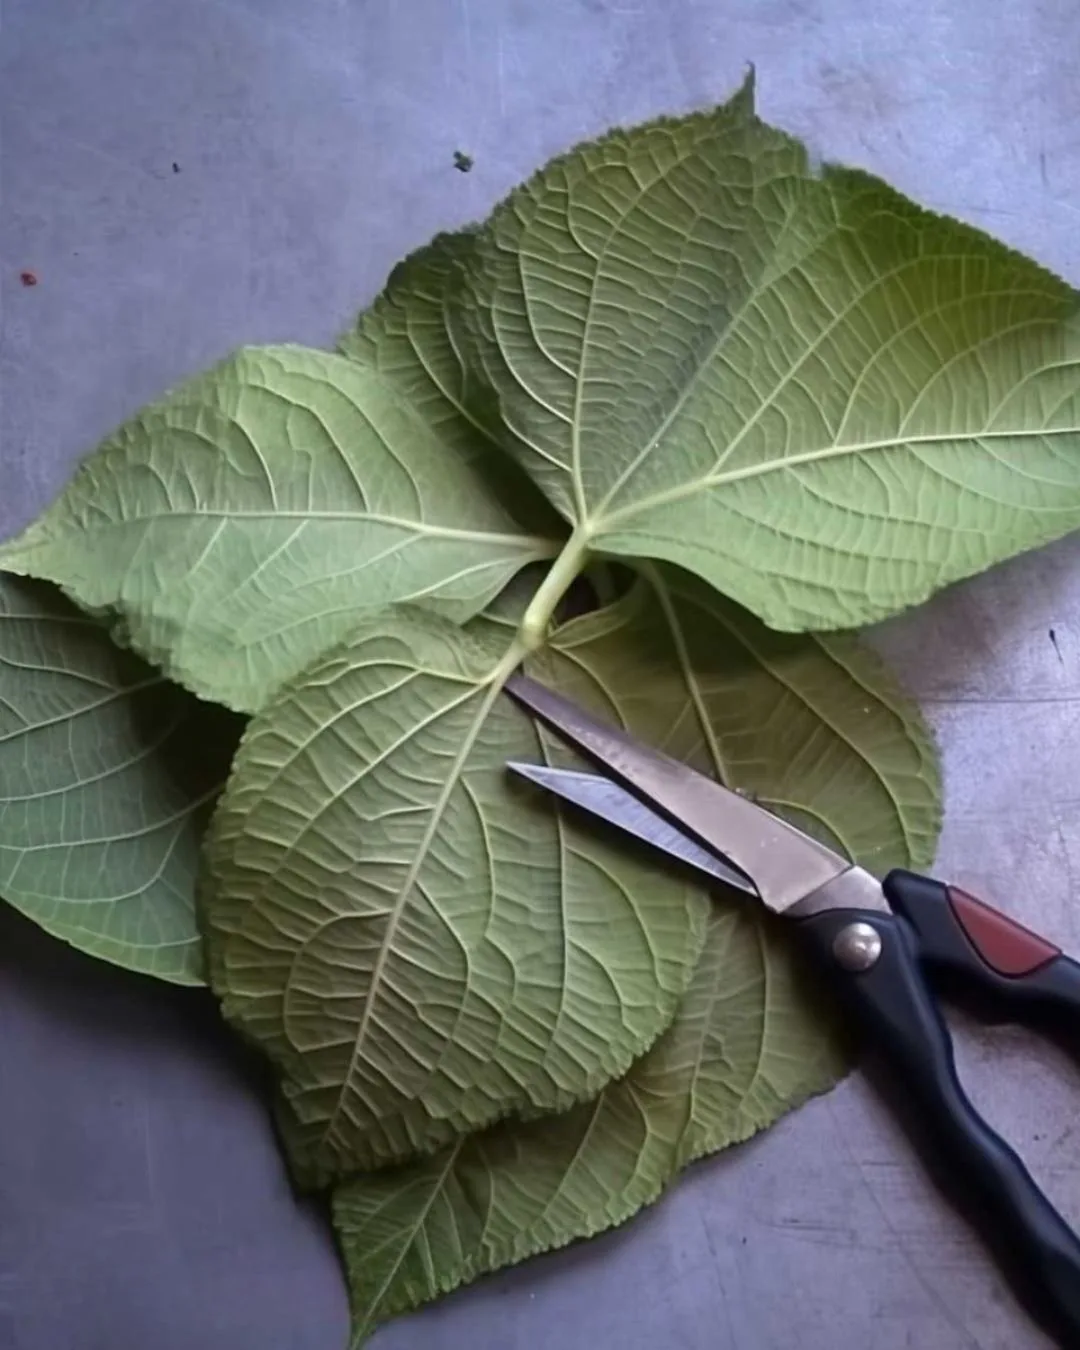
[28,278]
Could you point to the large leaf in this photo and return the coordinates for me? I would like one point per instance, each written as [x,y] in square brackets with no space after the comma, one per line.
[822,399]
[817,729]
[107,775]
[240,526]
[421,947]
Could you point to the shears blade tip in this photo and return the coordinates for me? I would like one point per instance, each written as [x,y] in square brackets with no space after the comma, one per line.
[785,863]
[611,802]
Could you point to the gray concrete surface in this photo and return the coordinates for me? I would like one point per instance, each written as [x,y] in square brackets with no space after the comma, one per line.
[141,1199]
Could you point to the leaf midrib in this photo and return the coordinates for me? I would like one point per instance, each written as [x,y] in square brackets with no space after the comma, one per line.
[686,665]
[495,683]
[366,517]
[412,1231]
[602,524]
[754,292]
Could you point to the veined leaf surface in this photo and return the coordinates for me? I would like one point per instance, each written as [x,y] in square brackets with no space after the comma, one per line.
[748,1044]
[107,777]
[421,945]
[819,731]
[407,335]
[241,526]
[822,399]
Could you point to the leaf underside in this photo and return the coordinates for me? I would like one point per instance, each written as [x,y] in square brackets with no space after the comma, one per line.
[824,400]
[107,777]
[687,346]
[748,1045]
[421,946]
[241,526]
[814,727]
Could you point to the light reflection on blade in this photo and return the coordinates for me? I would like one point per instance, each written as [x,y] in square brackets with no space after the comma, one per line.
[786,864]
[611,802]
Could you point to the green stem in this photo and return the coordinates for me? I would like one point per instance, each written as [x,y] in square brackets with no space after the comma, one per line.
[537,619]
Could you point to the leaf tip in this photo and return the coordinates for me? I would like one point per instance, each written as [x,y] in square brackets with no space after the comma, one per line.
[745,99]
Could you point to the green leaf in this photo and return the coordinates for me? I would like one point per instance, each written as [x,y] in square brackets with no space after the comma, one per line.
[240,527]
[821,398]
[406,335]
[817,728]
[421,946]
[734,1060]
[107,776]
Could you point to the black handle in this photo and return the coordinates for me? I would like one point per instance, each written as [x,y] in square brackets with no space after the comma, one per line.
[979,957]
[892,1007]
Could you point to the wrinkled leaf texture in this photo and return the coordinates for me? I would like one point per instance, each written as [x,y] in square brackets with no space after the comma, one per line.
[817,729]
[239,527]
[421,945]
[107,777]
[796,385]
[821,398]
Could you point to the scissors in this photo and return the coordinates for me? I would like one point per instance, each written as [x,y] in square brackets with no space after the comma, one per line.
[884,947]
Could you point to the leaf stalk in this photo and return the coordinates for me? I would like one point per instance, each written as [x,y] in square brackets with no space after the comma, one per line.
[533,630]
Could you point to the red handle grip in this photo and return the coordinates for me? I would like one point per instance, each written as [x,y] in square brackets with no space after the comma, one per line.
[1005,945]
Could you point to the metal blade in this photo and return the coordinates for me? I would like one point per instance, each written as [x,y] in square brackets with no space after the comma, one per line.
[609,801]
[785,864]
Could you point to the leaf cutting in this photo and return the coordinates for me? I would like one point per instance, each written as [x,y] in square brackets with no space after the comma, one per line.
[819,731]
[736,402]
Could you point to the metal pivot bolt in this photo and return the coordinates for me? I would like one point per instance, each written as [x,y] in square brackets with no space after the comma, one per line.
[857,946]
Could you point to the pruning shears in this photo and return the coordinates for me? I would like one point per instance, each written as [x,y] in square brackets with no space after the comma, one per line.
[885,947]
